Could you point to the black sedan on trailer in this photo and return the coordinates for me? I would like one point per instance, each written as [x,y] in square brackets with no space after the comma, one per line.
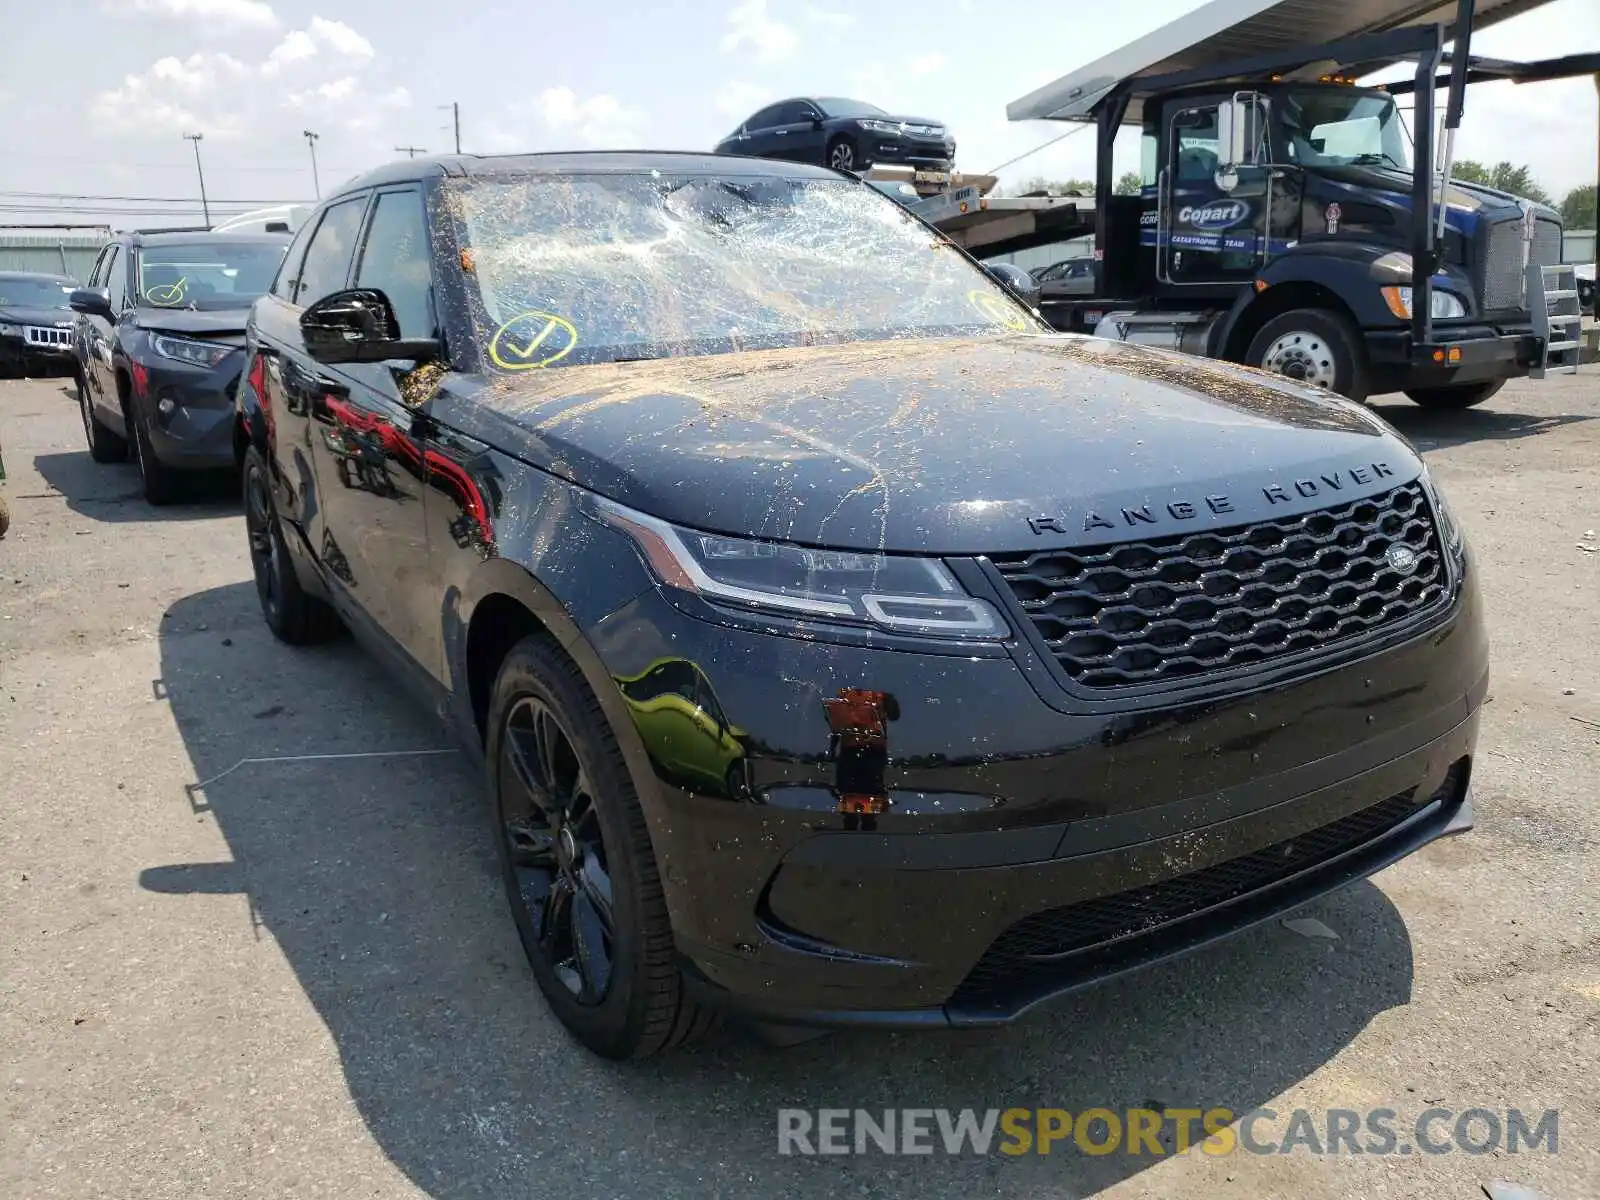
[35,322]
[842,645]
[848,135]
[159,348]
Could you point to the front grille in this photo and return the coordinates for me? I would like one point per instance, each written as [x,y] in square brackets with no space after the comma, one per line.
[1503,285]
[38,335]
[1035,946]
[1172,608]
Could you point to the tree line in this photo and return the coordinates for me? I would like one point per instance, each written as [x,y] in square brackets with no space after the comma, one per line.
[1577,206]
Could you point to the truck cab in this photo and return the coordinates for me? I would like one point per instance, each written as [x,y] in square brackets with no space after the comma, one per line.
[1310,215]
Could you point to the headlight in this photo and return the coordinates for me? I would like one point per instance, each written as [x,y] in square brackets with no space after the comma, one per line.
[1449,528]
[186,350]
[1443,304]
[881,126]
[897,593]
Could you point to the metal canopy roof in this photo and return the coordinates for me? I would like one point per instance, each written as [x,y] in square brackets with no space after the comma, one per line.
[1223,31]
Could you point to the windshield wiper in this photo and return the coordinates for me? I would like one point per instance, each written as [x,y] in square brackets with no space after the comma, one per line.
[1369,160]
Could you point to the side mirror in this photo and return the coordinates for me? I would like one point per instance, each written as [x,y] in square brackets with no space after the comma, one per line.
[92,302]
[816,122]
[1015,280]
[359,326]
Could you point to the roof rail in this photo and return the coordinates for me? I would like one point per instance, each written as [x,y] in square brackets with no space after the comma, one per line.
[175,229]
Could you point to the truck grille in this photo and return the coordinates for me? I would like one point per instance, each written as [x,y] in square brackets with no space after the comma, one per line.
[1036,945]
[1503,286]
[1176,607]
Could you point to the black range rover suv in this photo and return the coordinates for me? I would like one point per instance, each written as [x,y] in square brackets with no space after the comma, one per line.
[842,645]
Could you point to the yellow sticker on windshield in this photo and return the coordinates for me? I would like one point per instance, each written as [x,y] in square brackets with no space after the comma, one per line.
[167,293]
[532,339]
[999,310]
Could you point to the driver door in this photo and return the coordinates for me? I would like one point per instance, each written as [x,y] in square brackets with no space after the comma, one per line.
[1210,234]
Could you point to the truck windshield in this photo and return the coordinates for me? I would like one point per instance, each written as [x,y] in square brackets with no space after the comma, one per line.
[594,268]
[1343,127]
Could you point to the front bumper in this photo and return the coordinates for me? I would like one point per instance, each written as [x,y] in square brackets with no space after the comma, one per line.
[1464,353]
[197,431]
[1021,850]
[886,149]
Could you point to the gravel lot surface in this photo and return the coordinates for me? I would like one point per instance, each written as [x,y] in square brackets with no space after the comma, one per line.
[301,979]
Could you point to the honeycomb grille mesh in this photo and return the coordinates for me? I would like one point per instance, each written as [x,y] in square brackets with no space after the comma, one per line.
[1154,611]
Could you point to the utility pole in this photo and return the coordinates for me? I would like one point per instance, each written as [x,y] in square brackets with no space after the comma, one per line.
[411,151]
[455,109]
[311,140]
[205,207]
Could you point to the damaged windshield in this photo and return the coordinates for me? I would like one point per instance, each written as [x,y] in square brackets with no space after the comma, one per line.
[595,268]
[208,275]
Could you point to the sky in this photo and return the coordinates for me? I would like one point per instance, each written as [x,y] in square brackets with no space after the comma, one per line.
[96,95]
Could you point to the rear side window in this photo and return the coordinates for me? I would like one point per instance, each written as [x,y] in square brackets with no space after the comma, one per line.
[395,260]
[327,261]
[289,271]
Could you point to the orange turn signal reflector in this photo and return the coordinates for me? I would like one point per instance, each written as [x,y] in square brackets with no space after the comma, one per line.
[1261,285]
[963,206]
[1438,356]
[1455,354]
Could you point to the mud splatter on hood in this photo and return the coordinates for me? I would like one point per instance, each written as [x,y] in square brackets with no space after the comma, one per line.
[943,446]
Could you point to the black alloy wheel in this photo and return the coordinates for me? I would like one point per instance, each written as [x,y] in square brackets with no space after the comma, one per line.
[579,868]
[292,615]
[557,851]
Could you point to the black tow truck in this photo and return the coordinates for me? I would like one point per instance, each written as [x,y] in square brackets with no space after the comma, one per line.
[1287,221]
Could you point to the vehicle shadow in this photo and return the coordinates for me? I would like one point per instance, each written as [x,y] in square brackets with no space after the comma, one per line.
[377,879]
[111,491]
[1435,429]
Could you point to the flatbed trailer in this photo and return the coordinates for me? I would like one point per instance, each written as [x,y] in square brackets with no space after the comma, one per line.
[1279,224]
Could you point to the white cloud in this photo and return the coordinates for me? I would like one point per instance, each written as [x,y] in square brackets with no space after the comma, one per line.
[601,120]
[334,37]
[739,99]
[768,39]
[340,38]
[832,20]
[209,15]
[927,64]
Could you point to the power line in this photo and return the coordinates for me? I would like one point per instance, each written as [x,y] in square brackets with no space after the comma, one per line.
[1042,146]
[132,199]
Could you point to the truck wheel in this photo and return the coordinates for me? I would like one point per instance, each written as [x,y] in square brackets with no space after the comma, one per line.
[1313,346]
[579,870]
[1463,395]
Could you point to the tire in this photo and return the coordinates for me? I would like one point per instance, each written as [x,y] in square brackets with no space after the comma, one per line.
[1463,395]
[580,874]
[1314,346]
[843,155]
[162,484]
[293,616]
[105,445]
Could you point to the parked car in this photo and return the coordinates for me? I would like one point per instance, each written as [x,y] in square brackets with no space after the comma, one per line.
[35,322]
[1071,277]
[1015,659]
[848,135]
[158,348]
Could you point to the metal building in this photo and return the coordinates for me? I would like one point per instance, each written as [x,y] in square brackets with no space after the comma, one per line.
[56,249]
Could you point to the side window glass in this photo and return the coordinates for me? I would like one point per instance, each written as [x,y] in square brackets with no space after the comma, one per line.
[117,278]
[97,273]
[765,119]
[394,260]
[289,269]
[1195,144]
[327,261]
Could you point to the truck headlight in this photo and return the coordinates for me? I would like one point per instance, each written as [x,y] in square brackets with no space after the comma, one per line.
[1443,305]
[897,593]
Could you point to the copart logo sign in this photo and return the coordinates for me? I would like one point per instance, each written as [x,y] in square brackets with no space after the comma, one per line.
[1219,214]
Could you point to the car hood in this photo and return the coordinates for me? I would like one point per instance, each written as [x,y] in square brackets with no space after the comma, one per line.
[23,314]
[224,322]
[942,446]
